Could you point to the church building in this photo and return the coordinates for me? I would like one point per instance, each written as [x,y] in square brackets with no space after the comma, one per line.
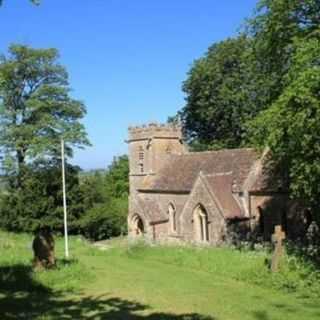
[200,197]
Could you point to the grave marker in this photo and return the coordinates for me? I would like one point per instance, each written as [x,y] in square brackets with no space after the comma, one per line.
[277,239]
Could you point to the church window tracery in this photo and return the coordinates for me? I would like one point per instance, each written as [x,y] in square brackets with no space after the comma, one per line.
[201,230]
[172,218]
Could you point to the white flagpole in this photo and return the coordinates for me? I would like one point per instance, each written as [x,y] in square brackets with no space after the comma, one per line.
[64,201]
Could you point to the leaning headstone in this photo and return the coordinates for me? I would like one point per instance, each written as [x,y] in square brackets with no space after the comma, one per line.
[43,249]
[277,239]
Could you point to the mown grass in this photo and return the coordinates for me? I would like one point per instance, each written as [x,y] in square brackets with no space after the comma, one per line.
[149,283]
[296,275]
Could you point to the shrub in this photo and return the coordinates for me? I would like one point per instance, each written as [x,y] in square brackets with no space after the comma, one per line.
[105,220]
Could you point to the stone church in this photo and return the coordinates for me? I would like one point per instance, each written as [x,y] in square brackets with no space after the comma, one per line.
[200,197]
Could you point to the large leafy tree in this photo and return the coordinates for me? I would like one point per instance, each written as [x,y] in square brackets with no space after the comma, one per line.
[117,178]
[286,49]
[221,93]
[239,77]
[291,126]
[274,29]
[36,109]
[39,201]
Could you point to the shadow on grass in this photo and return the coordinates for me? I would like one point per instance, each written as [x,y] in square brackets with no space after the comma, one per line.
[312,310]
[21,297]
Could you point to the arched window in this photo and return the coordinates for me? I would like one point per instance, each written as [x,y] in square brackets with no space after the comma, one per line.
[201,230]
[172,217]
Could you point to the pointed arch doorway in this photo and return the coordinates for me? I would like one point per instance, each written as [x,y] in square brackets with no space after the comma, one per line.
[137,225]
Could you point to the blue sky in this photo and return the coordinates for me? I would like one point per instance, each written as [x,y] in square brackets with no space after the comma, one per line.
[126,59]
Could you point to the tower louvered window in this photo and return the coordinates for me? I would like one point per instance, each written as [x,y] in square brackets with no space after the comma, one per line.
[141,159]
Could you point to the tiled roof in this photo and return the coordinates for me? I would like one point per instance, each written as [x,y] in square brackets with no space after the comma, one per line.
[221,187]
[180,171]
[269,179]
[152,210]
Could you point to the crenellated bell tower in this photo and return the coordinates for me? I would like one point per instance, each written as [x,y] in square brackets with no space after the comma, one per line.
[149,148]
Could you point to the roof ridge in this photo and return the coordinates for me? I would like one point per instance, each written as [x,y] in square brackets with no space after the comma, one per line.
[217,151]
[228,173]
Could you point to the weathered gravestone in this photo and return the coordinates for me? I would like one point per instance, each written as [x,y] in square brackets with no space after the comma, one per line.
[277,239]
[43,248]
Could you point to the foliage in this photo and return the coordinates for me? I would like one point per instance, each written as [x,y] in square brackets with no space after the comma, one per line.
[105,200]
[220,95]
[36,109]
[93,190]
[239,77]
[117,177]
[38,202]
[105,220]
[95,208]
[274,28]
[291,126]
[296,276]
[286,48]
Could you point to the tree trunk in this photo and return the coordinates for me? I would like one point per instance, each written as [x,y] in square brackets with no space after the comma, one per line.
[20,163]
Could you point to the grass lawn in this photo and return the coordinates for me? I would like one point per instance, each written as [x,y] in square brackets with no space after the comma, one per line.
[148,283]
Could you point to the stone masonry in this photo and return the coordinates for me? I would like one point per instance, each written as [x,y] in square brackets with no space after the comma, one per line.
[200,197]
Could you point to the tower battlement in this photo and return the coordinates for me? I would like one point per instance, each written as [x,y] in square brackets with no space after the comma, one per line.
[155,130]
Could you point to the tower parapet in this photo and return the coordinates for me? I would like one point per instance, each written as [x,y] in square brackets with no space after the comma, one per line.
[155,130]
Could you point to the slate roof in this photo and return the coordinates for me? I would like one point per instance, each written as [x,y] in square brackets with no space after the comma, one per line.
[221,187]
[180,171]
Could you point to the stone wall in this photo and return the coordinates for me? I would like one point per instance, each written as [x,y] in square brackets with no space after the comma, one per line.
[164,200]
[216,223]
[268,210]
[160,231]
[149,149]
